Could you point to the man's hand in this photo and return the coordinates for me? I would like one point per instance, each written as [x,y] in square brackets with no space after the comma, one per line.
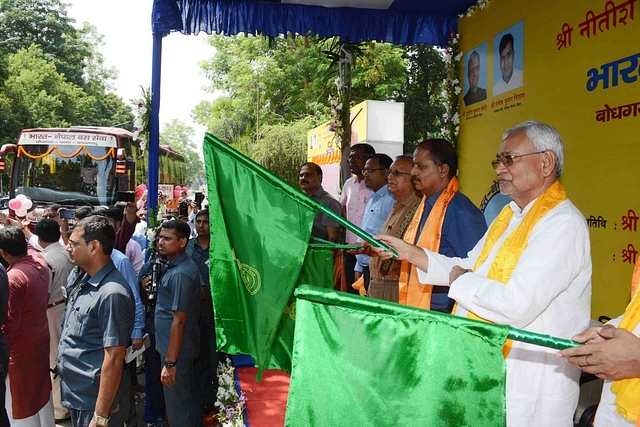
[136,343]
[613,354]
[146,282]
[456,272]
[400,246]
[168,376]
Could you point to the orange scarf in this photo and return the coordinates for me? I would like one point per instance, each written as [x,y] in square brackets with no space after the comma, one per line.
[411,292]
[512,247]
[627,391]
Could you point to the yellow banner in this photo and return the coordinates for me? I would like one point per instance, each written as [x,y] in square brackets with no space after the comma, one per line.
[574,64]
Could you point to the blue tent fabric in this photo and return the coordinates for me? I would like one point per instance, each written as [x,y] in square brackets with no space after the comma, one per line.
[399,22]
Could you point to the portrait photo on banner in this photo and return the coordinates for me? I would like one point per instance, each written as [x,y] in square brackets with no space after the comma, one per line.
[475,72]
[508,59]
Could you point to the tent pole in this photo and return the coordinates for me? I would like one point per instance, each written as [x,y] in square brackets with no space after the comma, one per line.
[154,123]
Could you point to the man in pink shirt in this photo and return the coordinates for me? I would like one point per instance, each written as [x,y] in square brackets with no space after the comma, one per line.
[353,199]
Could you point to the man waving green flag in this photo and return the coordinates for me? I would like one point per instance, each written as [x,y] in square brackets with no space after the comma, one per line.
[260,230]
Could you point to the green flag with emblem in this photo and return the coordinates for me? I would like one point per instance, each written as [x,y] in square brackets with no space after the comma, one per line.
[260,230]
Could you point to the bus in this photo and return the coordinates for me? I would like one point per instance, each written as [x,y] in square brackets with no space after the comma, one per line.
[83,165]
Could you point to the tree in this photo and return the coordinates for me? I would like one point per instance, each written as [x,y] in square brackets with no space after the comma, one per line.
[35,95]
[422,94]
[45,23]
[283,148]
[180,136]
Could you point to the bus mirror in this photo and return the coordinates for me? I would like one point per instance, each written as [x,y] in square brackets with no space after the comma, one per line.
[121,167]
[8,148]
[121,154]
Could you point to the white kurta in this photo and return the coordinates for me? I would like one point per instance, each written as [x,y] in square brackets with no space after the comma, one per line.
[606,415]
[549,292]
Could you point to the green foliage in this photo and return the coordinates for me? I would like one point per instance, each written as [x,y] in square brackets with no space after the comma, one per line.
[52,74]
[421,94]
[283,148]
[270,85]
[180,136]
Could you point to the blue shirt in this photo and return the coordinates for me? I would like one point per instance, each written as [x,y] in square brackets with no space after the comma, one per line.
[376,212]
[98,314]
[463,226]
[124,266]
[179,291]
[201,258]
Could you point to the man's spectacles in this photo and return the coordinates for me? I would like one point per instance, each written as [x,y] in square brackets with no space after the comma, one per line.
[369,170]
[398,174]
[508,160]
[358,156]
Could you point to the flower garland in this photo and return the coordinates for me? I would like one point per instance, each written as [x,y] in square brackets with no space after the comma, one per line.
[481,4]
[230,404]
[452,89]
[153,225]
[142,115]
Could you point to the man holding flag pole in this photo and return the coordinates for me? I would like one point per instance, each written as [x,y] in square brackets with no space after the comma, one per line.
[531,270]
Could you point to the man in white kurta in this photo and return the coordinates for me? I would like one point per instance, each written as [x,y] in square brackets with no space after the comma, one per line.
[549,290]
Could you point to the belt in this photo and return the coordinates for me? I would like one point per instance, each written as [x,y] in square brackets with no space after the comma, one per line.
[53,304]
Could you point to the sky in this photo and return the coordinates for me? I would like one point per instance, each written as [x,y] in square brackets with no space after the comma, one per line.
[126,27]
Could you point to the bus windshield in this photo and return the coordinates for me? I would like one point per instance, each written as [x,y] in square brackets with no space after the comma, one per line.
[66,173]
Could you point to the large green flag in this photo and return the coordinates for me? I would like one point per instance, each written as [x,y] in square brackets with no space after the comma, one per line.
[260,230]
[365,362]
[317,270]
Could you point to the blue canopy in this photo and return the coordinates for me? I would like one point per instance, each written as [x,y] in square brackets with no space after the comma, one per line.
[394,21]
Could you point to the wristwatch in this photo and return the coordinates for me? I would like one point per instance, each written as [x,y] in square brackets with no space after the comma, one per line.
[100,421]
[169,364]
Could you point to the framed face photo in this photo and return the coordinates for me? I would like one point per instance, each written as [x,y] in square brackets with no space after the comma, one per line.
[475,75]
[508,59]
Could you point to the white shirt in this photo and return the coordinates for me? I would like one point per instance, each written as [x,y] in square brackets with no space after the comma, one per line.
[354,198]
[515,82]
[606,415]
[549,292]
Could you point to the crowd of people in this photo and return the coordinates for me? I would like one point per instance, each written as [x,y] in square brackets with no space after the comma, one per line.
[85,293]
[530,269]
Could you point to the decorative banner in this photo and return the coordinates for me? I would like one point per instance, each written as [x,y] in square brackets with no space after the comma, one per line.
[575,65]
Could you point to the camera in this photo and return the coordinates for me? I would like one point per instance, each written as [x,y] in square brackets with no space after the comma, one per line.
[156,276]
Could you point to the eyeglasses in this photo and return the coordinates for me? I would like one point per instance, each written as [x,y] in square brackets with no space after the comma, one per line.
[358,156]
[369,170]
[508,160]
[398,174]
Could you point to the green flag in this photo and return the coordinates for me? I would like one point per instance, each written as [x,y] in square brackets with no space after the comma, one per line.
[317,270]
[260,229]
[365,362]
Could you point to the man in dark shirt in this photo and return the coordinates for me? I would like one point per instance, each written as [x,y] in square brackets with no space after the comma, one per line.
[207,362]
[96,327]
[176,321]
[311,183]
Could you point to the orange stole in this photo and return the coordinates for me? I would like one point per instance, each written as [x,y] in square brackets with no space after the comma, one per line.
[512,247]
[411,292]
[627,391]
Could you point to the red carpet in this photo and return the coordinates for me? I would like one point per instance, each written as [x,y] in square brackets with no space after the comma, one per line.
[266,400]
